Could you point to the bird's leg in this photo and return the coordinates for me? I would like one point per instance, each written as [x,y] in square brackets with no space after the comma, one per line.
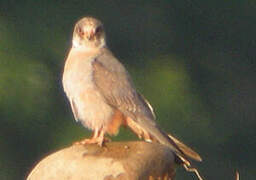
[88,140]
[100,137]
[97,138]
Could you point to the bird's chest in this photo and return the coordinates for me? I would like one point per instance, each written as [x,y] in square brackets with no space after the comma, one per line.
[87,102]
[78,76]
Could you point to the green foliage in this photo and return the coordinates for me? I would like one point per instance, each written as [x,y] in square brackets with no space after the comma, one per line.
[193,60]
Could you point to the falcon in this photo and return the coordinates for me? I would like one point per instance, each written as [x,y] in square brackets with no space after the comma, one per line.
[102,95]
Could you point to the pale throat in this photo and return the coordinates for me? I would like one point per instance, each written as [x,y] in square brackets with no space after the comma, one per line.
[91,45]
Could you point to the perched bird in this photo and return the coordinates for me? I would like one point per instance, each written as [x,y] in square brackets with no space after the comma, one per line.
[102,94]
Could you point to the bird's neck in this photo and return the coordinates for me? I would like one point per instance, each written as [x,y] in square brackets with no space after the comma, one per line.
[86,51]
[88,48]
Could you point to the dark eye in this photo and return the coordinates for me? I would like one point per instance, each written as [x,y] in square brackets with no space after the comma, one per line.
[98,29]
[80,31]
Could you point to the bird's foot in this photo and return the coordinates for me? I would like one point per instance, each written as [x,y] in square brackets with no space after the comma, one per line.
[98,140]
[89,141]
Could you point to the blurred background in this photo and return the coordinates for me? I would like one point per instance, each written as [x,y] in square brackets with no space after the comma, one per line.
[193,60]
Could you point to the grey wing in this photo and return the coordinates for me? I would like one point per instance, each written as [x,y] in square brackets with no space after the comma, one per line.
[71,100]
[74,109]
[73,106]
[115,84]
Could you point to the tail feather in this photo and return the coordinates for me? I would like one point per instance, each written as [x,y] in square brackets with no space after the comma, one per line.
[159,136]
[186,150]
[151,128]
[180,149]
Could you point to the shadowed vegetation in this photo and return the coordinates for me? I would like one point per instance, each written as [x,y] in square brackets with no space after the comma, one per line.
[193,60]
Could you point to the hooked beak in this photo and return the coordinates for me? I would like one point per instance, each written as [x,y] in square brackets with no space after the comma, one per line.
[90,34]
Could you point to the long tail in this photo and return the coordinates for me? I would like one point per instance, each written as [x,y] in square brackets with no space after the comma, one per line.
[187,150]
[180,149]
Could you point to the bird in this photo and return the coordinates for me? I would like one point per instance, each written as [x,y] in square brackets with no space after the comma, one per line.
[103,96]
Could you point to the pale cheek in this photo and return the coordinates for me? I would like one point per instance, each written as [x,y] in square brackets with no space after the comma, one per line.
[75,42]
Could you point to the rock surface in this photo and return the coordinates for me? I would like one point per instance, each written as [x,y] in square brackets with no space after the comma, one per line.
[115,160]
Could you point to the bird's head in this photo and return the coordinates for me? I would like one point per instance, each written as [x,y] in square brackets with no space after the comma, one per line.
[88,33]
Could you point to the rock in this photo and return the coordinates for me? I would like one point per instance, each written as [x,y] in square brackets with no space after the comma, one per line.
[115,160]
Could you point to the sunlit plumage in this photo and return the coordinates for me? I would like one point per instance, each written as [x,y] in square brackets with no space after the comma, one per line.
[101,92]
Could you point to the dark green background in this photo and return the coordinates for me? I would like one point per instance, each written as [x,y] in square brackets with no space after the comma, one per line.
[193,60]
